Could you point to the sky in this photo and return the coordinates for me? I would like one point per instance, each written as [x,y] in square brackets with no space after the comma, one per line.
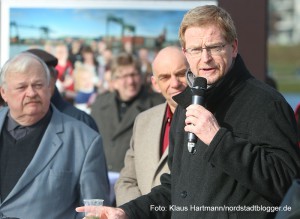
[91,23]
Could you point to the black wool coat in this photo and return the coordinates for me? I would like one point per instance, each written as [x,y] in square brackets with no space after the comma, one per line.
[247,168]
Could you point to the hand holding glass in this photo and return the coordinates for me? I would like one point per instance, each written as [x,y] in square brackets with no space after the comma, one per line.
[91,205]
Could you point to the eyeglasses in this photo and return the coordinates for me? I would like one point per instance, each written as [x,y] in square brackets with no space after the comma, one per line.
[127,76]
[212,50]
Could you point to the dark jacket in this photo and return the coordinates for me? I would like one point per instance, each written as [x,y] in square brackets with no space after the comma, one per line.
[67,108]
[250,163]
[116,134]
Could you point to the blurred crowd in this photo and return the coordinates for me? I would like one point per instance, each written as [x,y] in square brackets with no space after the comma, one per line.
[84,68]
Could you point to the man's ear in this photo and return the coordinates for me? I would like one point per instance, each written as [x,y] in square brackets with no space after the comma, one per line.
[3,94]
[235,48]
[114,84]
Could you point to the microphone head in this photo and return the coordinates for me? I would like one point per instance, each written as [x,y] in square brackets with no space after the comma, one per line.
[199,86]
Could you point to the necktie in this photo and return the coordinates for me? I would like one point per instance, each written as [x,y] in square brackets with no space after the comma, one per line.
[166,136]
[19,132]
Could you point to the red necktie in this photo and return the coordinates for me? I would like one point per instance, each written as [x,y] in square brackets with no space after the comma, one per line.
[166,136]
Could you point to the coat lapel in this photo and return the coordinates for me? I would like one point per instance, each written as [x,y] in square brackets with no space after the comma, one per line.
[109,112]
[47,149]
[3,114]
[154,147]
[161,162]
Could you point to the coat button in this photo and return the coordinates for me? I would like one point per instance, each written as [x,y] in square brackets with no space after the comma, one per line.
[183,194]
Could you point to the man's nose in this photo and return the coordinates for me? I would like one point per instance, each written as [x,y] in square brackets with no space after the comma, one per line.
[206,55]
[30,91]
[175,81]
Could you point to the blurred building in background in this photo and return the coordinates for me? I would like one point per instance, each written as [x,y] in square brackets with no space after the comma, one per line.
[284,25]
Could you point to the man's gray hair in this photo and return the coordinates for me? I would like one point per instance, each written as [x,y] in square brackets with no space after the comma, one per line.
[19,64]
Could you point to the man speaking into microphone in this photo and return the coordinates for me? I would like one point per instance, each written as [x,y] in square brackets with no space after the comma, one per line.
[246,152]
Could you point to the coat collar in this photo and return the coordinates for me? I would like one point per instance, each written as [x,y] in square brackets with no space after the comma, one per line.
[58,101]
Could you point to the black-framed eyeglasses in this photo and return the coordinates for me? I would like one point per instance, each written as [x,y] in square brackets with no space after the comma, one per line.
[212,50]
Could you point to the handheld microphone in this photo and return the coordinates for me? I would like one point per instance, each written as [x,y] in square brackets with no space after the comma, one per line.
[198,90]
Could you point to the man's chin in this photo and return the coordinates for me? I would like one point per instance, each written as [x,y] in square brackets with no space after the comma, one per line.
[132,94]
[32,104]
[33,108]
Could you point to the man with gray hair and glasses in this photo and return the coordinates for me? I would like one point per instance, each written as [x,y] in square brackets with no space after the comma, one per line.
[246,154]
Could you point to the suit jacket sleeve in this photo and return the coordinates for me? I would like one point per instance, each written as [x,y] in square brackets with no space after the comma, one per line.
[94,168]
[126,187]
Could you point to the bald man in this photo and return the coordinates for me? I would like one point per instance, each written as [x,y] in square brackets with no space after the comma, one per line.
[146,158]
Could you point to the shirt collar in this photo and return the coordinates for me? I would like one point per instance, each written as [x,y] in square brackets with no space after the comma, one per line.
[12,124]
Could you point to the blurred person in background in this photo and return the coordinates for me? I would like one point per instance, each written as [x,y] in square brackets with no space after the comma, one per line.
[90,61]
[101,47]
[65,82]
[146,68]
[105,66]
[146,159]
[128,47]
[48,47]
[74,51]
[94,46]
[56,98]
[108,86]
[103,84]
[49,161]
[85,80]
[115,112]
[89,58]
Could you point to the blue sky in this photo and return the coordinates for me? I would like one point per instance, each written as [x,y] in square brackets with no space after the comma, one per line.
[92,22]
